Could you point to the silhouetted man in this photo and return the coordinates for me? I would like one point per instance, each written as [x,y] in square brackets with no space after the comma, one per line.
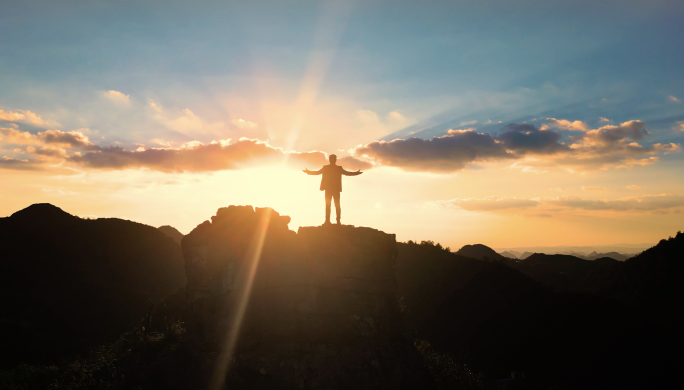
[331,183]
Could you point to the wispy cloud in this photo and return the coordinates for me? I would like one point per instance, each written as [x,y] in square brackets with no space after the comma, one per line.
[490,203]
[593,188]
[673,99]
[647,203]
[116,96]
[244,124]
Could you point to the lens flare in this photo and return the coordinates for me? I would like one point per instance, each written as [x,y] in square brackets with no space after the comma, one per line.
[252,257]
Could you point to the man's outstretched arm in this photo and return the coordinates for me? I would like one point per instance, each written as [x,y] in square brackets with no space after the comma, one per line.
[348,173]
[308,172]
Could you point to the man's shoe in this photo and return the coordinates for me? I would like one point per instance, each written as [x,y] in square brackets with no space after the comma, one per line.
[326,223]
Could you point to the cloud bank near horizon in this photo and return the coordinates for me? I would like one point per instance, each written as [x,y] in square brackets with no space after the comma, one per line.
[55,148]
[663,203]
[524,145]
[529,147]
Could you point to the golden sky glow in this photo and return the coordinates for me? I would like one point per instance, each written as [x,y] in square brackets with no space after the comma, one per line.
[468,130]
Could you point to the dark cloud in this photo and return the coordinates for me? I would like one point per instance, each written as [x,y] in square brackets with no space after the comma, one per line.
[526,138]
[74,139]
[606,147]
[449,153]
[635,130]
[23,165]
[352,164]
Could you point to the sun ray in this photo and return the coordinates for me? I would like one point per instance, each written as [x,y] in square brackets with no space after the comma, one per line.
[253,256]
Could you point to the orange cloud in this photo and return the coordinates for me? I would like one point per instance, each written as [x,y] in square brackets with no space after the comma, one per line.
[26,117]
[662,202]
[197,157]
[490,203]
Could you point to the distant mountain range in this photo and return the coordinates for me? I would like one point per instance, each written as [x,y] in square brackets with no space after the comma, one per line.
[624,251]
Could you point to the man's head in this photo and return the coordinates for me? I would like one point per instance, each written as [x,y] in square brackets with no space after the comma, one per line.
[332,159]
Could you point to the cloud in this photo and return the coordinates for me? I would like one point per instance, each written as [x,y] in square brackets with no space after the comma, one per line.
[602,119]
[117,97]
[467,123]
[353,164]
[634,187]
[609,146]
[367,117]
[674,99]
[647,203]
[197,157]
[244,124]
[11,116]
[26,117]
[448,153]
[189,123]
[73,139]
[395,118]
[639,203]
[590,188]
[372,121]
[525,138]
[74,148]
[12,163]
[16,137]
[681,125]
[564,124]
[611,134]
[490,203]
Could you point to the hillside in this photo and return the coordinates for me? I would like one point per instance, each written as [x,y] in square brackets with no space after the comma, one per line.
[480,252]
[561,272]
[172,232]
[70,283]
[651,282]
[497,320]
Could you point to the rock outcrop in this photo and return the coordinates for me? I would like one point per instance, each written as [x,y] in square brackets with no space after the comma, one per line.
[315,309]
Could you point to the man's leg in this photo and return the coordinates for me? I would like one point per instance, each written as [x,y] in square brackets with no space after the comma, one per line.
[338,209]
[328,199]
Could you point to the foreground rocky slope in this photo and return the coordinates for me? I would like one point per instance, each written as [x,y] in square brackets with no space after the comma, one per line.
[496,320]
[322,311]
[68,284]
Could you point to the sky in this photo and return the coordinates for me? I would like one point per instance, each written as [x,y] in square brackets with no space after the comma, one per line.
[504,123]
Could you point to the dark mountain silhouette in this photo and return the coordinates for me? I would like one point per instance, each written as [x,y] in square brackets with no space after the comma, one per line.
[480,252]
[172,232]
[651,282]
[613,255]
[497,320]
[561,272]
[68,283]
[525,255]
[509,254]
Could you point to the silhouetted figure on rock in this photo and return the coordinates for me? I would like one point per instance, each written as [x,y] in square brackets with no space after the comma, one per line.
[331,183]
